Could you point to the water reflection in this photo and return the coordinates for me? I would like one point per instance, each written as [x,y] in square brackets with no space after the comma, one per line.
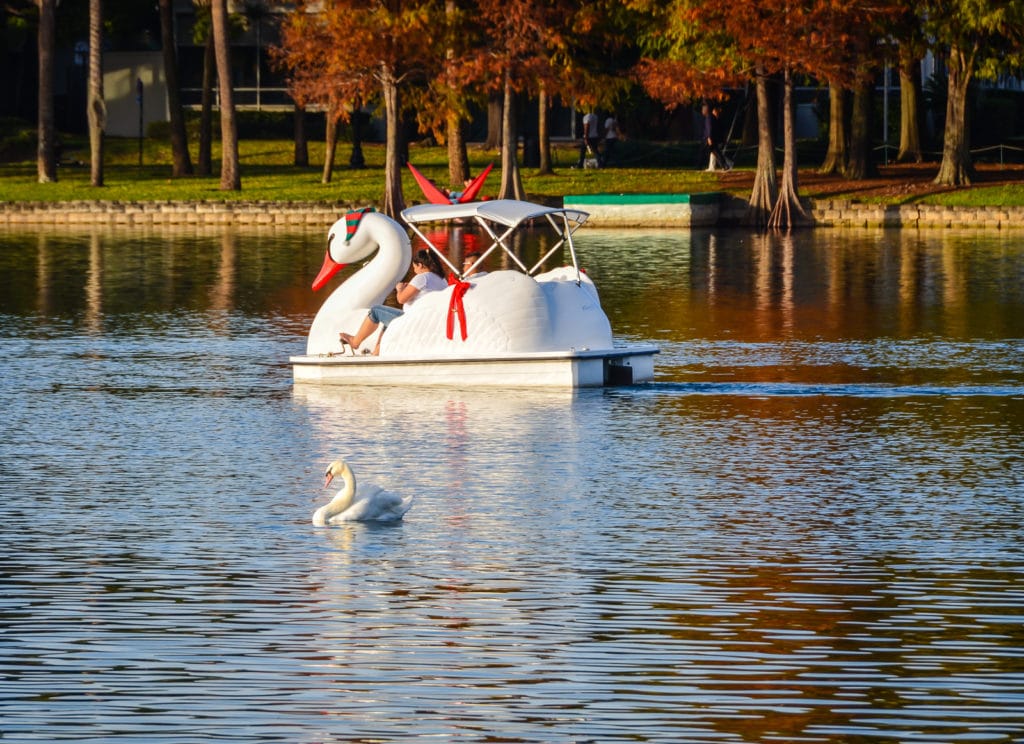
[829,284]
[811,285]
[808,528]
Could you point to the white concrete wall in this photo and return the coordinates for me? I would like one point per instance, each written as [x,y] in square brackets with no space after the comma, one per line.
[121,70]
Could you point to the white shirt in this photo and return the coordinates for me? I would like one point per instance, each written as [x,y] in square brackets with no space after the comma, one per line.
[611,128]
[428,281]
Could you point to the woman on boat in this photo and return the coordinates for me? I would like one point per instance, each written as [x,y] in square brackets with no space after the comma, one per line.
[428,276]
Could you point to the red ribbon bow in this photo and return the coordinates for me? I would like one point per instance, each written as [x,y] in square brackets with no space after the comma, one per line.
[455,307]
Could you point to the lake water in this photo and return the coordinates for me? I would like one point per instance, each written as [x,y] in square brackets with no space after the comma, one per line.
[807,529]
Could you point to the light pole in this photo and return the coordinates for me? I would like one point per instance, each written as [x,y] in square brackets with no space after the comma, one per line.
[138,99]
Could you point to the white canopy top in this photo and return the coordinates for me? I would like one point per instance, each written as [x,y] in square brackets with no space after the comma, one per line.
[508,212]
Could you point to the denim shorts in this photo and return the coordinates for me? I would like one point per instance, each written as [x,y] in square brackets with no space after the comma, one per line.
[384,314]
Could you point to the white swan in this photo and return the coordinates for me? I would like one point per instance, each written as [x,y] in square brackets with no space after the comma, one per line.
[506,311]
[365,504]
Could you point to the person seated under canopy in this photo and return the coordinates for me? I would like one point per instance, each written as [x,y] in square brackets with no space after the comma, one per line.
[428,276]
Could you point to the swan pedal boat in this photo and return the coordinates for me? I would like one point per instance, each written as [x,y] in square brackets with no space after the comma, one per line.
[514,328]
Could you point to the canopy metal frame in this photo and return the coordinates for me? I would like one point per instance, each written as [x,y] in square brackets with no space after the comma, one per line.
[500,219]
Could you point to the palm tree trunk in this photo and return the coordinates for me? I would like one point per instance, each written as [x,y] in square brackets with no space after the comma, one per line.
[96,106]
[230,177]
[458,158]
[394,199]
[181,162]
[330,142]
[544,133]
[46,155]
[206,108]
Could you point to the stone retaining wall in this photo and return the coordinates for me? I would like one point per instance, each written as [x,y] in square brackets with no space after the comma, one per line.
[925,216]
[247,213]
[844,213]
[829,213]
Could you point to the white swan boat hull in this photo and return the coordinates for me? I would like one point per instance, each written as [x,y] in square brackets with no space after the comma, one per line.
[514,327]
[570,369]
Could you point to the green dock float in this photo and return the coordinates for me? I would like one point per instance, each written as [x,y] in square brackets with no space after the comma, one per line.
[647,210]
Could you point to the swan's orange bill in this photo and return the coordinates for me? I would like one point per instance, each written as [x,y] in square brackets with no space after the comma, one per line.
[330,477]
[329,269]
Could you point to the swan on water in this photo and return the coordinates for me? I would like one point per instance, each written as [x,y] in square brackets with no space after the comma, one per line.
[367,503]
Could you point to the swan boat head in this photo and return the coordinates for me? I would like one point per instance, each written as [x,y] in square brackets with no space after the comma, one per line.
[375,235]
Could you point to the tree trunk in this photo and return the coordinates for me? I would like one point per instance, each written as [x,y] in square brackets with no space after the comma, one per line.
[301,155]
[751,135]
[788,211]
[46,154]
[544,133]
[394,199]
[408,130]
[910,110]
[765,189]
[330,142]
[458,159]
[96,106]
[511,179]
[230,177]
[206,108]
[861,164]
[957,168]
[181,162]
[494,123]
[835,158]
[356,160]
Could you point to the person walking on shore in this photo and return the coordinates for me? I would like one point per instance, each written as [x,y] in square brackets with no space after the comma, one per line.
[612,135]
[591,139]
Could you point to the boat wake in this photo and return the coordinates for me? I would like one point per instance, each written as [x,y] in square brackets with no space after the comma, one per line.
[832,390]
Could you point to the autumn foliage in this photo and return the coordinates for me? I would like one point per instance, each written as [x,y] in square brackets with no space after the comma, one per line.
[440,58]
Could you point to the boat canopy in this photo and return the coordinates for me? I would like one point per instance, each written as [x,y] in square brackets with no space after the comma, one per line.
[499,218]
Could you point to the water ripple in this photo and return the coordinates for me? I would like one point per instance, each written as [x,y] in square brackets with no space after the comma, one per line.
[807,529]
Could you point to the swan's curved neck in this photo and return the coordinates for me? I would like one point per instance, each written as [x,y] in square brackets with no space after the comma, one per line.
[341,501]
[374,281]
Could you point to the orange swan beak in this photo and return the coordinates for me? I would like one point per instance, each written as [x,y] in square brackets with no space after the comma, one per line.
[329,269]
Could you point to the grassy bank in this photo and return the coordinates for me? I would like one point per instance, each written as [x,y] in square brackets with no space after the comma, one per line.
[268,174]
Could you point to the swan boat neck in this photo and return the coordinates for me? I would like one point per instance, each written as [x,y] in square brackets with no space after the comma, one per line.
[544,329]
